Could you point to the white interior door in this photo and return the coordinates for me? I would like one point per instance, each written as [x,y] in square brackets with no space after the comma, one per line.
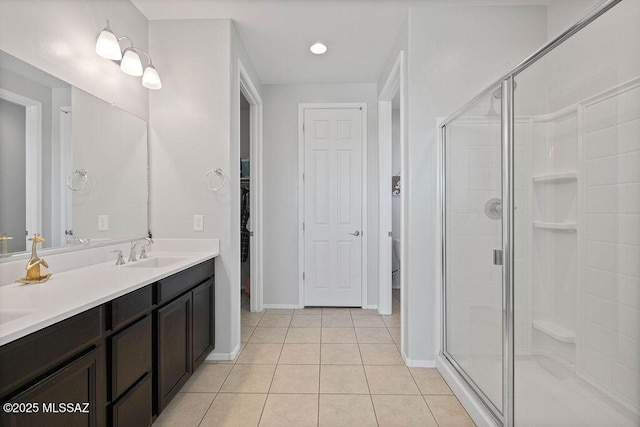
[333,207]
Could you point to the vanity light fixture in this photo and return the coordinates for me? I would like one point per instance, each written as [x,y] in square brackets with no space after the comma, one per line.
[108,46]
[318,48]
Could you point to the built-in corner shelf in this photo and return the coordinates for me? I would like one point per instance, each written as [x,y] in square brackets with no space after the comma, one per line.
[555,331]
[560,226]
[556,178]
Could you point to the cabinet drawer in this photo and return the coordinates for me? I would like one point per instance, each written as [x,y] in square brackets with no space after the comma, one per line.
[28,357]
[135,407]
[131,356]
[173,286]
[127,307]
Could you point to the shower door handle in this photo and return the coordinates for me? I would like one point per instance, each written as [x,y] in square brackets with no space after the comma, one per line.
[497,257]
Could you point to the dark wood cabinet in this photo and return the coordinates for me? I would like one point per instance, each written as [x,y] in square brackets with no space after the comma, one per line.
[126,358]
[203,322]
[80,384]
[135,409]
[174,348]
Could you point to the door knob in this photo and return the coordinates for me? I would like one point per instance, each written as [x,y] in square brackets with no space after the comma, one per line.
[357,233]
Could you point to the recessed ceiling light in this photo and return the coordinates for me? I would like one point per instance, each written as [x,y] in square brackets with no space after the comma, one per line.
[318,48]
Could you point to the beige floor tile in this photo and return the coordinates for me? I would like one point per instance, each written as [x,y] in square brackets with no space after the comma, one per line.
[300,354]
[338,335]
[373,336]
[363,312]
[274,320]
[249,379]
[368,322]
[390,380]
[402,411]
[208,378]
[338,410]
[250,319]
[245,333]
[381,354]
[308,310]
[430,381]
[303,335]
[307,321]
[448,412]
[336,310]
[337,321]
[260,354]
[234,410]
[340,354]
[392,321]
[346,379]
[279,311]
[185,410]
[268,335]
[296,379]
[290,410]
[395,334]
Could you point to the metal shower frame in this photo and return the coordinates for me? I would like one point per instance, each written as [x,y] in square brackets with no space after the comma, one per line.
[507,84]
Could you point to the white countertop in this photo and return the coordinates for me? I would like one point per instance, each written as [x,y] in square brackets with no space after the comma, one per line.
[25,309]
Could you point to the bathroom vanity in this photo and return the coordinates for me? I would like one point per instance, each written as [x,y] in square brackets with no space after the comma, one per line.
[105,344]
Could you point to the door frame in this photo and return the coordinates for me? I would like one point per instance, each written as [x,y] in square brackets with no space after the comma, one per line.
[394,84]
[33,158]
[250,92]
[302,107]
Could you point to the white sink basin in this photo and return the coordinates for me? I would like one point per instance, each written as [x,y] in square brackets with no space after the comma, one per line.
[156,262]
[9,314]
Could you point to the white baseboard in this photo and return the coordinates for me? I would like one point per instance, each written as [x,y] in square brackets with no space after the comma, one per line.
[370,307]
[417,363]
[218,357]
[474,407]
[286,306]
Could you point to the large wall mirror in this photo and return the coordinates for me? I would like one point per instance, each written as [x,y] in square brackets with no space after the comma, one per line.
[73,168]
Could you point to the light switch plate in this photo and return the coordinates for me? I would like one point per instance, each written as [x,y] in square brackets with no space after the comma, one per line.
[198,223]
[103,222]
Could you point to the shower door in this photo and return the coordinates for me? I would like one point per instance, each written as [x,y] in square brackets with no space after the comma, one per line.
[473,231]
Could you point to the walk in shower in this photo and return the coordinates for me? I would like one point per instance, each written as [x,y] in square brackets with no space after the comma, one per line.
[541,232]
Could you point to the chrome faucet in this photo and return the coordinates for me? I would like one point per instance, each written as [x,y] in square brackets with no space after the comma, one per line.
[134,245]
[120,260]
[147,241]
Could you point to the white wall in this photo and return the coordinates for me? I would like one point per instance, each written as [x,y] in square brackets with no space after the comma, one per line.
[59,37]
[281,182]
[194,127]
[189,132]
[454,53]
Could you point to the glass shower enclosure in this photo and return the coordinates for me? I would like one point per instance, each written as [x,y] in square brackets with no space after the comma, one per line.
[541,232]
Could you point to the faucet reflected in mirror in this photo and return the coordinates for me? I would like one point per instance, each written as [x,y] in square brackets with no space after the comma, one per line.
[4,239]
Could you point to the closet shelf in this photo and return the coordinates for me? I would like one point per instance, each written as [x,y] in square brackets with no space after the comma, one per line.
[555,331]
[562,226]
[556,178]
[245,179]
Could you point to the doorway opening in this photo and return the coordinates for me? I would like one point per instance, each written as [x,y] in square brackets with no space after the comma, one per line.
[245,203]
[392,151]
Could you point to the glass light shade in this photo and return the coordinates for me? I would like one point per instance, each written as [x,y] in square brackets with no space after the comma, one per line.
[107,45]
[318,48]
[151,78]
[130,63]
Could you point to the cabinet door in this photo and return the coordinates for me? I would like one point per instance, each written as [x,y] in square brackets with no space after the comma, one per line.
[174,348]
[203,322]
[73,396]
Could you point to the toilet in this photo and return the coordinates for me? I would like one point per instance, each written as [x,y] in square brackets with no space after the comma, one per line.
[395,265]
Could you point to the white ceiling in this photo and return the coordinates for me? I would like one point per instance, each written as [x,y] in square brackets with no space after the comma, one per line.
[277,34]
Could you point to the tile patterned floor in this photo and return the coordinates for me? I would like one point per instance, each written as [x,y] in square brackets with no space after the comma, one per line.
[316,367]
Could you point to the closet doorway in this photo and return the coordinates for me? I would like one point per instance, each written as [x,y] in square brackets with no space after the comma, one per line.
[250,166]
